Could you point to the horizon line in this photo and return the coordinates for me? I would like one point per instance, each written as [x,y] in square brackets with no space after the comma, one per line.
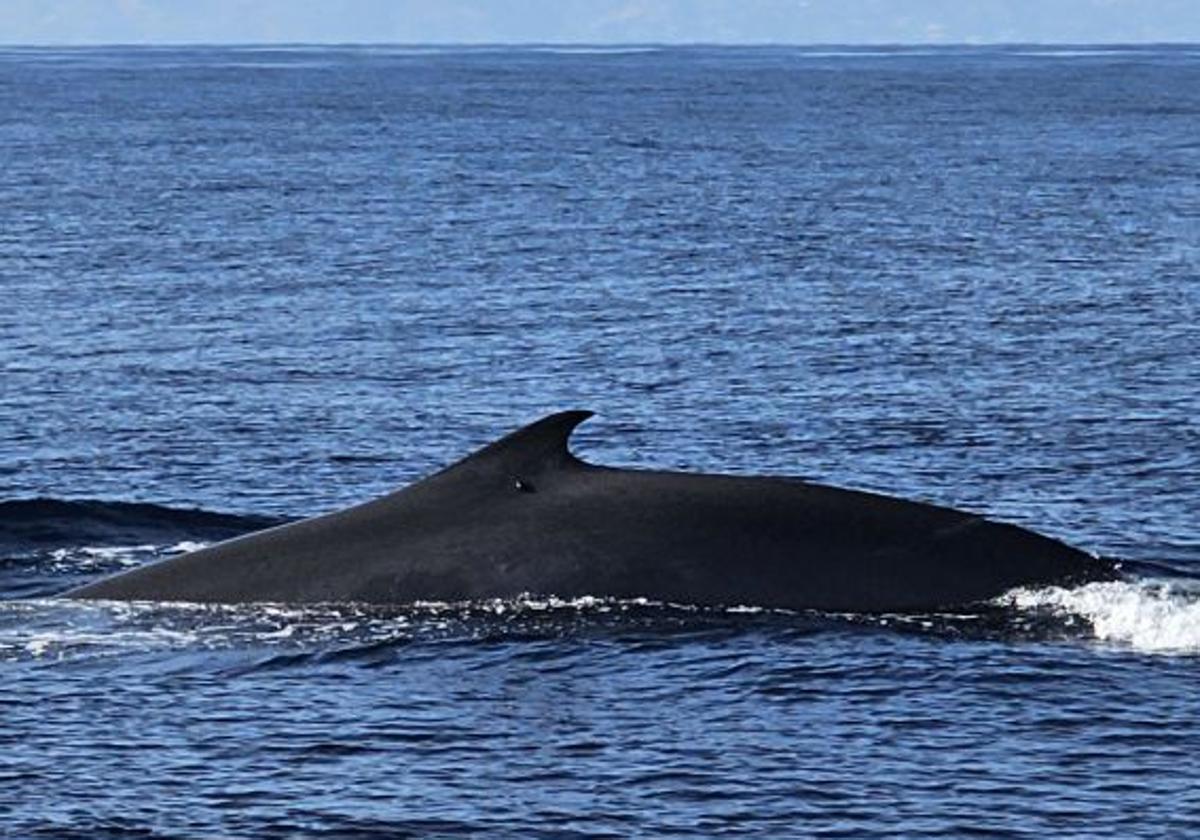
[602,44]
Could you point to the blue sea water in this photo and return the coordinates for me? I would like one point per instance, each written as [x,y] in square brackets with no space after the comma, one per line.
[245,284]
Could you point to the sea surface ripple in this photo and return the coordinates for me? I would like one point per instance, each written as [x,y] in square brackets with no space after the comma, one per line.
[245,285]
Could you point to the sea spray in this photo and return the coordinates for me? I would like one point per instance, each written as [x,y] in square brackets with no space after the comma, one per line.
[1153,615]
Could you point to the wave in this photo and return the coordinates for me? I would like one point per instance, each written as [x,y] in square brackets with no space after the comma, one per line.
[41,524]
[1155,617]
[290,635]
[1148,615]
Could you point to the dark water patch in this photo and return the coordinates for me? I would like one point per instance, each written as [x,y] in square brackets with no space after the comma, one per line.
[30,577]
[1189,571]
[39,524]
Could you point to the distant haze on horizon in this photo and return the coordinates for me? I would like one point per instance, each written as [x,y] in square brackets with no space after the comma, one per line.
[80,22]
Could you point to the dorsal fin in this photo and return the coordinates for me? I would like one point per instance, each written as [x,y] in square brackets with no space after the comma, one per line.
[538,446]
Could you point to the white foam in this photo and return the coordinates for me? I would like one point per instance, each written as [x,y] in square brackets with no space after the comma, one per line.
[185,547]
[1153,616]
[109,558]
[52,629]
[100,557]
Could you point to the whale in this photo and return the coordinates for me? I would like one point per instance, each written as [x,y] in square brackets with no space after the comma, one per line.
[524,516]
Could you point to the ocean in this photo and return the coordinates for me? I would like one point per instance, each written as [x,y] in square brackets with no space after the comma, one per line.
[248,284]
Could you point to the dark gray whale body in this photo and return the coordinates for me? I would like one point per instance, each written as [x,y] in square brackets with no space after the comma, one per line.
[524,516]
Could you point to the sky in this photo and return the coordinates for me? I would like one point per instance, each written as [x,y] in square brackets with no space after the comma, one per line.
[598,21]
